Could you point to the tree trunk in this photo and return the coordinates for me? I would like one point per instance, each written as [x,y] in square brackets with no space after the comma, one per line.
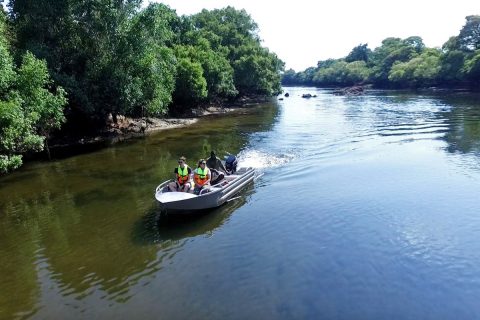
[48,149]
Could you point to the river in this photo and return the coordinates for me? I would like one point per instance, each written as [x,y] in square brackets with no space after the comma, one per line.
[368,209]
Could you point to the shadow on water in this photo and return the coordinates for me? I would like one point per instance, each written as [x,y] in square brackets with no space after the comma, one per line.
[155,227]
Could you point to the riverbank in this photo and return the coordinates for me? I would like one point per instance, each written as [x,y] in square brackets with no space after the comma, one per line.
[121,128]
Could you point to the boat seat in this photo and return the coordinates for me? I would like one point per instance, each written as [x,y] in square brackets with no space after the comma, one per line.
[217,176]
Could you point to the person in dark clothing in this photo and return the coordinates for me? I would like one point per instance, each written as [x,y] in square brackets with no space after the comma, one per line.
[214,163]
[217,168]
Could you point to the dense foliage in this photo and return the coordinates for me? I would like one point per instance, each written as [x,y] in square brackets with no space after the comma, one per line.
[29,106]
[402,63]
[118,58]
[236,34]
[114,57]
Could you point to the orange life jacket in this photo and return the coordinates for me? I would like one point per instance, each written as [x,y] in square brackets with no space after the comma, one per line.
[182,175]
[200,176]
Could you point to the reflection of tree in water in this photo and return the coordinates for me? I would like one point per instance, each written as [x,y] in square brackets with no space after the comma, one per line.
[464,121]
[220,133]
[83,255]
[18,276]
[67,225]
[153,229]
[84,244]
[94,251]
[460,111]
[24,208]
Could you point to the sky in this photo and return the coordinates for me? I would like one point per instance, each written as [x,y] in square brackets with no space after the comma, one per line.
[302,32]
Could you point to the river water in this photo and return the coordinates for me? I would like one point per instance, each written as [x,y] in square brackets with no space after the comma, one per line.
[368,209]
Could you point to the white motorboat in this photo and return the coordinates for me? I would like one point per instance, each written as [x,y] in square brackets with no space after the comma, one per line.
[210,197]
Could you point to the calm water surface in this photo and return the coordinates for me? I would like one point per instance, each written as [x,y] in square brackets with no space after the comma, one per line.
[368,209]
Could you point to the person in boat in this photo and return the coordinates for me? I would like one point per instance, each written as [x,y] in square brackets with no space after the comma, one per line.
[231,164]
[217,168]
[201,176]
[183,177]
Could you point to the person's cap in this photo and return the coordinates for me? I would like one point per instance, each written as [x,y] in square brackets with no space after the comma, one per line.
[182,158]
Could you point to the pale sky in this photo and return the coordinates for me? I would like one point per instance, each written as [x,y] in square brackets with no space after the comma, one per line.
[301,32]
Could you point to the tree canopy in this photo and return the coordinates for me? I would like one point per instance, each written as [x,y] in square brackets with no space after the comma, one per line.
[88,59]
[255,69]
[30,106]
[402,63]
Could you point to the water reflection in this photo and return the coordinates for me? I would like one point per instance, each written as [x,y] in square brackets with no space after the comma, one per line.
[454,116]
[358,193]
[155,228]
[18,276]
[464,120]
[398,118]
[66,226]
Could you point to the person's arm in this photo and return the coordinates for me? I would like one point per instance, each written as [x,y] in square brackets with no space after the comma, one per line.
[175,174]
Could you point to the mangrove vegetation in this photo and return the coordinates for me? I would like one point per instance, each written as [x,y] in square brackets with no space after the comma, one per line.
[402,63]
[70,65]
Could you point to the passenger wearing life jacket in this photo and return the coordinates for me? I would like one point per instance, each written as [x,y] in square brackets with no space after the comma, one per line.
[183,177]
[201,176]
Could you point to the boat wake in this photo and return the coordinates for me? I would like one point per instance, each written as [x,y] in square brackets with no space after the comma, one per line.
[262,160]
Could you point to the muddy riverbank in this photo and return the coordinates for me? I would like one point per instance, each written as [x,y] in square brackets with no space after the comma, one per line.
[120,128]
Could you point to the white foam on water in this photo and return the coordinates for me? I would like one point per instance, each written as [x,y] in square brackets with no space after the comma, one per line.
[261,160]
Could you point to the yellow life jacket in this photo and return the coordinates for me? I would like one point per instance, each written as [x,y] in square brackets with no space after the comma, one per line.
[182,175]
[200,176]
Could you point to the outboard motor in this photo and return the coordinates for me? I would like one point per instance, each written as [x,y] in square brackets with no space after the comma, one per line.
[231,164]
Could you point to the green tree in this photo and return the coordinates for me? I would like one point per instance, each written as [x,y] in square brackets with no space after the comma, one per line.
[7,72]
[217,70]
[289,77]
[342,73]
[451,70]
[43,108]
[306,77]
[357,72]
[190,85]
[256,70]
[135,70]
[420,71]
[326,63]
[469,36]
[472,67]
[451,44]
[144,63]
[30,108]
[391,51]
[227,27]
[332,75]
[415,42]
[359,53]
[108,56]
